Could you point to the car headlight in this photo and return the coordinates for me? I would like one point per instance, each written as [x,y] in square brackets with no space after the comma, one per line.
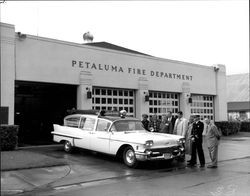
[182,141]
[149,143]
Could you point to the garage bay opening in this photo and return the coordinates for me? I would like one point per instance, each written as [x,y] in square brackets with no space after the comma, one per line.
[38,106]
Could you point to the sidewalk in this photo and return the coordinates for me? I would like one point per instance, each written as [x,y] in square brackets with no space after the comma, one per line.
[43,169]
[25,158]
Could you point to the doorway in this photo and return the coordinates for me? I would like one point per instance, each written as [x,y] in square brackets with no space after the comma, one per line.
[38,106]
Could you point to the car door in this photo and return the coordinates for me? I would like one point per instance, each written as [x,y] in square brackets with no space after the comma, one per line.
[100,138]
[86,128]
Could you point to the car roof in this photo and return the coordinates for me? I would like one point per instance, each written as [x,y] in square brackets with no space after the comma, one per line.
[115,118]
[111,118]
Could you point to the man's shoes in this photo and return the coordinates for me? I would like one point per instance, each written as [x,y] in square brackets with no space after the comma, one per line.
[202,166]
[212,166]
[191,164]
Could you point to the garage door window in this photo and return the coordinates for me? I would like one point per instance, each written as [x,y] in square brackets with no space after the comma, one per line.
[162,102]
[203,105]
[114,99]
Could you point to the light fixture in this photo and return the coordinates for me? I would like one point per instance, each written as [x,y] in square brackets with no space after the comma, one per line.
[89,93]
[146,96]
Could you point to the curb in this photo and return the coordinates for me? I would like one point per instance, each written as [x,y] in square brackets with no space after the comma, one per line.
[39,146]
[34,167]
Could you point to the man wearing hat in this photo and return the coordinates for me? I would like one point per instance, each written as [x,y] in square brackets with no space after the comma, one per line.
[145,122]
[196,138]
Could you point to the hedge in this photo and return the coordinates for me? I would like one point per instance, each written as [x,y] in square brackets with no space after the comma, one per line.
[245,127]
[228,128]
[9,138]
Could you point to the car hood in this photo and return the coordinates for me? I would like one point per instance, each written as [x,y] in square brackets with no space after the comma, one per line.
[159,139]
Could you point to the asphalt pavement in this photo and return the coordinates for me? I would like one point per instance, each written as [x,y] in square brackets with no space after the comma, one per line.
[48,170]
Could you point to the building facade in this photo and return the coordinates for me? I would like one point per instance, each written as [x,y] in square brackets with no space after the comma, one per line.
[238,97]
[42,78]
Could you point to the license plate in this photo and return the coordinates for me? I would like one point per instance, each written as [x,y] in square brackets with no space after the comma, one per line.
[167,155]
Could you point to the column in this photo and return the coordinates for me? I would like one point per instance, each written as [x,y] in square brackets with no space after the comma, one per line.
[7,36]
[220,99]
[185,106]
[85,86]
[142,106]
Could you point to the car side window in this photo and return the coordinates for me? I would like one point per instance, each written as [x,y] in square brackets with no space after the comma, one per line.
[82,122]
[102,125]
[113,129]
[89,124]
[72,122]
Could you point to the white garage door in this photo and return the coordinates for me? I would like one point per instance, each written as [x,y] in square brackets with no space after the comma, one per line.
[162,102]
[203,105]
[114,99]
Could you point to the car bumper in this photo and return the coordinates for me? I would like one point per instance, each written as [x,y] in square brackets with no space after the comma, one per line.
[152,155]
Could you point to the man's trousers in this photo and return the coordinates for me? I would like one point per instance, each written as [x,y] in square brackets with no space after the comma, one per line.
[197,148]
[213,153]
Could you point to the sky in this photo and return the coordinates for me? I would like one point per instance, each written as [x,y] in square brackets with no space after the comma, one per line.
[201,32]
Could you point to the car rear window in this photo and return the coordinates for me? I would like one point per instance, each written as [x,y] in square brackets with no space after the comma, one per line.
[72,121]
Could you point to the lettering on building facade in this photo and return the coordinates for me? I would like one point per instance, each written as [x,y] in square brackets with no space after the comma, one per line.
[129,70]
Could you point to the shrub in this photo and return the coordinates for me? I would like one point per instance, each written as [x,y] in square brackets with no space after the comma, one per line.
[228,128]
[245,127]
[8,137]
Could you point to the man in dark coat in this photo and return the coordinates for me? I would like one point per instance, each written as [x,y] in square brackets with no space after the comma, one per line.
[196,137]
[145,122]
[165,126]
[172,119]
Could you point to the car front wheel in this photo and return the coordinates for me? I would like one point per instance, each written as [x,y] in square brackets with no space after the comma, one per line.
[67,146]
[129,157]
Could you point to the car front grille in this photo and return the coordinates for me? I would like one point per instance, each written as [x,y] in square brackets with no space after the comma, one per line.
[165,150]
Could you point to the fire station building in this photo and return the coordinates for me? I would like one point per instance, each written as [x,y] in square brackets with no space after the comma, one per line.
[42,78]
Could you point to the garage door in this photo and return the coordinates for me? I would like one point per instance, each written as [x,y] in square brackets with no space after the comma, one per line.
[162,102]
[203,105]
[114,99]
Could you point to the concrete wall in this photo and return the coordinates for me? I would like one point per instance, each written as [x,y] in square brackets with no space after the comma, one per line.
[7,37]
[46,60]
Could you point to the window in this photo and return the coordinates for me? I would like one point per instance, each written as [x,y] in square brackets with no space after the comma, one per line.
[202,105]
[126,125]
[89,124]
[102,125]
[117,98]
[72,121]
[161,102]
[82,122]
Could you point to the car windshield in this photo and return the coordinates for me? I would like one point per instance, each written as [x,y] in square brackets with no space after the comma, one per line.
[128,125]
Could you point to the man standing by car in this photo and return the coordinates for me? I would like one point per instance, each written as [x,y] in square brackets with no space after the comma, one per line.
[171,119]
[181,125]
[165,125]
[145,121]
[154,124]
[212,137]
[196,137]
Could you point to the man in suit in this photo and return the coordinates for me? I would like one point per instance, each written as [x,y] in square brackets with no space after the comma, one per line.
[196,138]
[145,122]
[165,126]
[171,119]
[212,137]
[181,125]
[154,124]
